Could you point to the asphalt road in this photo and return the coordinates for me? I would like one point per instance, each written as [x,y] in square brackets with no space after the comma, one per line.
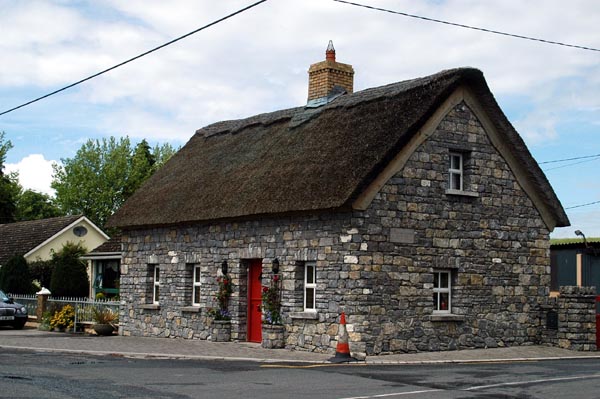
[28,374]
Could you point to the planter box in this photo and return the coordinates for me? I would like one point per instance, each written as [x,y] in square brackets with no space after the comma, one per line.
[273,336]
[220,331]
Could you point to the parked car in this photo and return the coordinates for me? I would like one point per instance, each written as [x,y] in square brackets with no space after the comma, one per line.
[12,313]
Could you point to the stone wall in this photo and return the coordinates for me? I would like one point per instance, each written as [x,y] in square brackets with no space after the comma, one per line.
[376,265]
[577,318]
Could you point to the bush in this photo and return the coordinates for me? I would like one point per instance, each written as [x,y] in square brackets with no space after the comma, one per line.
[41,270]
[14,276]
[63,319]
[69,277]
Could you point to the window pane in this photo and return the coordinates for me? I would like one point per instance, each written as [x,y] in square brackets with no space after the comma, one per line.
[455,179]
[310,274]
[436,280]
[196,295]
[444,301]
[436,302]
[196,274]
[156,292]
[156,274]
[310,298]
[444,280]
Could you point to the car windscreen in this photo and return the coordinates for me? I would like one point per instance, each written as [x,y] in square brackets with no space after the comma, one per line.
[3,297]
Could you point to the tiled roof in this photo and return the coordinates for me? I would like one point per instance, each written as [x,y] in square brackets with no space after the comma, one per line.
[112,245]
[21,237]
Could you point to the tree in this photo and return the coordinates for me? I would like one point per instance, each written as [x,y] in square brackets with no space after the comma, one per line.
[69,277]
[9,186]
[15,277]
[41,270]
[32,205]
[103,174]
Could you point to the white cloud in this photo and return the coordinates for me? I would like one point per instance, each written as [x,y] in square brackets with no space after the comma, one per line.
[35,173]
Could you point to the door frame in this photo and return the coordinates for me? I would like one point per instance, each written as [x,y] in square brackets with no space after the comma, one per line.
[255,262]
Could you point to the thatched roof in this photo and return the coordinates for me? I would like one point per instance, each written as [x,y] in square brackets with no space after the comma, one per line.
[21,237]
[305,159]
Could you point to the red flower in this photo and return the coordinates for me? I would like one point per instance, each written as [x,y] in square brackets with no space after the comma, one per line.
[265,289]
[276,277]
[225,281]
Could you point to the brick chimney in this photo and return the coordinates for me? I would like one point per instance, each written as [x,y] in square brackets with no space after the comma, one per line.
[324,75]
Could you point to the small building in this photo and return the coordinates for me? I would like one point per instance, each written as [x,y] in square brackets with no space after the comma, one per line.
[36,240]
[574,262]
[415,208]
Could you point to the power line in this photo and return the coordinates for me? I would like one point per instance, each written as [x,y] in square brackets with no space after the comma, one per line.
[468,26]
[135,58]
[571,164]
[570,159]
[579,206]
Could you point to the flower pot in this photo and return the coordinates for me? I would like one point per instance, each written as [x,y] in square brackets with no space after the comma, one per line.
[220,331]
[273,336]
[103,329]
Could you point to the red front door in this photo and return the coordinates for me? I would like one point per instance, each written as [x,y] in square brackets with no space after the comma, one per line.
[255,301]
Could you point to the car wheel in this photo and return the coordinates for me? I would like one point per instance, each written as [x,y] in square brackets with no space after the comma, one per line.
[19,325]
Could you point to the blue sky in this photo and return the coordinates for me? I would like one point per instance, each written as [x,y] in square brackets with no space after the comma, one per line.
[257,62]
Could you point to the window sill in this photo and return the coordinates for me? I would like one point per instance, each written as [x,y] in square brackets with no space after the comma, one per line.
[150,306]
[447,317]
[305,315]
[191,309]
[462,193]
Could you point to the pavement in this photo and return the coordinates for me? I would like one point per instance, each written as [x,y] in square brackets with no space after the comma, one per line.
[145,347]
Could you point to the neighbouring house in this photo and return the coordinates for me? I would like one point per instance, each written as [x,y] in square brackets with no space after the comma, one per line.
[415,208]
[37,239]
[105,269]
[575,262]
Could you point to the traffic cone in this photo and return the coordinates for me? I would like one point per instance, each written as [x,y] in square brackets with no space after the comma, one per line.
[342,351]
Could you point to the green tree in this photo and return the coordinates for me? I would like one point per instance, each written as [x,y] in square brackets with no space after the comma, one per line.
[69,276]
[14,276]
[103,174]
[32,205]
[41,270]
[9,186]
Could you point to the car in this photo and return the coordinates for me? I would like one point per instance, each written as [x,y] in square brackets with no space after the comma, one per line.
[12,313]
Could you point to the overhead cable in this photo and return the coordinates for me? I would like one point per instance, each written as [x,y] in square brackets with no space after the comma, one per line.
[468,26]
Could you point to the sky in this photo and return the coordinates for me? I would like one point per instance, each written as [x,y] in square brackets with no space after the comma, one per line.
[257,62]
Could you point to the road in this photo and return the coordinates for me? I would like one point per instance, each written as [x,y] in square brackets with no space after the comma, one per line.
[28,374]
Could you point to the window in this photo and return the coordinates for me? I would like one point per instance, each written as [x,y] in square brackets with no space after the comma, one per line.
[310,286]
[441,292]
[156,285]
[455,171]
[196,286]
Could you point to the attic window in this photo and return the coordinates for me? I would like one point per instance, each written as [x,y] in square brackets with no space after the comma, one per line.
[459,174]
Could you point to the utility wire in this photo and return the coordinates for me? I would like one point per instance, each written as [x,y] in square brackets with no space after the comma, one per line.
[570,159]
[136,57]
[579,206]
[570,164]
[468,26]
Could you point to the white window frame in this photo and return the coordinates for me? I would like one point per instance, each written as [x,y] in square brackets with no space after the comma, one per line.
[310,286]
[456,172]
[156,285]
[437,291]
[196,284]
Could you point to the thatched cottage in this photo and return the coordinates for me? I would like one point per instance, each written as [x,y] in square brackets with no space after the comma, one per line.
[415,208]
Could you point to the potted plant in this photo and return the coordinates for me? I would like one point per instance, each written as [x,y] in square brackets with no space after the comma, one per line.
[272,327]
[221,324]
[104,319]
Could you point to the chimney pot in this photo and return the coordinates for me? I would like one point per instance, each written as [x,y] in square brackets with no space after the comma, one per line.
[330,52]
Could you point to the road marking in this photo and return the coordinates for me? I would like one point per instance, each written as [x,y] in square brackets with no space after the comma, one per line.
[503,384]
[311,366]
[387,395]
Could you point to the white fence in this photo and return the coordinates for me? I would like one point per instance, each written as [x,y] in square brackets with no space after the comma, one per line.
[84,307]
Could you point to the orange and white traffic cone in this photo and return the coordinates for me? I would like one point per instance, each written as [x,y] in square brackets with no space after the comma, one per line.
[342,351]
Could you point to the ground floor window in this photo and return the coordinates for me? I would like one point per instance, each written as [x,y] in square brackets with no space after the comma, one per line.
[156,285]
[310,287]
[196,286]
[442,291]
